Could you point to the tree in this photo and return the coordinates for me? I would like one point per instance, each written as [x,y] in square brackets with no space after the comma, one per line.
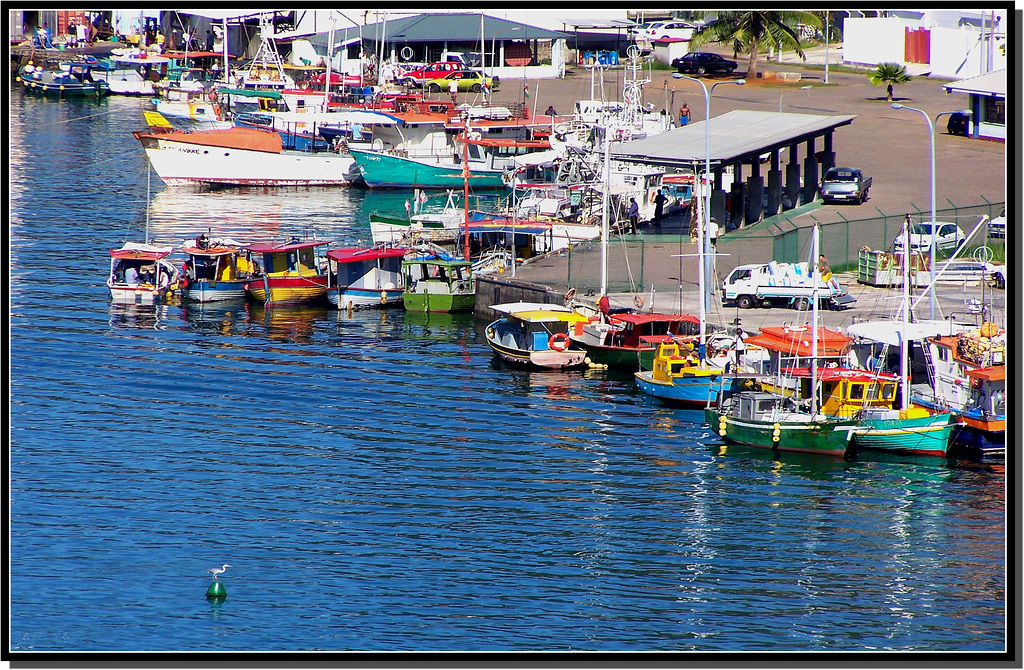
[889,74]
[755,32]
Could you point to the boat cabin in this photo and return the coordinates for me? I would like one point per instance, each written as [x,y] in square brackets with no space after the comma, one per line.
[846,392]
[294,258]
[672,362]
[756,405]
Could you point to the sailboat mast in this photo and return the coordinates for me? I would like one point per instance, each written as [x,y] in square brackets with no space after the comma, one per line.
[149,190]
[330,54]
[604,214]
[465,185]
[814,320]
[701,260]
[904,363]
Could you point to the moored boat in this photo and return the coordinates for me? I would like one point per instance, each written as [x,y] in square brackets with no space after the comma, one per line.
[72,80]
[678,377]
[535,335]
[216,270]
[629,341]
[435,281]
[240,157]
[365,277]
[292,273]
[141,274]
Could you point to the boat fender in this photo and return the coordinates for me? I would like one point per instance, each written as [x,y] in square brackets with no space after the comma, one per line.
[652,197]
[558,341]
[383,297]
[491,333]
[638,301]
[213,96]
[570,294]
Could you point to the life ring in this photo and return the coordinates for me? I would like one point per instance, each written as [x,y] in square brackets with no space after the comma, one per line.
[570,294]
[652,197]
[558,341]
[213,96]
[561,129]
[406,53]
[638,300]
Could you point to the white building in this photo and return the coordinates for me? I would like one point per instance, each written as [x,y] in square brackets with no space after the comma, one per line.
[942,43]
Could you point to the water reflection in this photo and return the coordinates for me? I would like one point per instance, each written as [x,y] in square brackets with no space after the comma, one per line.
[152,317]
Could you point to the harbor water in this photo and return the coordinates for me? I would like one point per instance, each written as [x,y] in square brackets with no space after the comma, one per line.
[376,481]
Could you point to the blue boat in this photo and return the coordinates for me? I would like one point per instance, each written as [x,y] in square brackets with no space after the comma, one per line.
[679,378]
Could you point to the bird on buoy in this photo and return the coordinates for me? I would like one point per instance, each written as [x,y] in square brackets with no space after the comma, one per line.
[217,571]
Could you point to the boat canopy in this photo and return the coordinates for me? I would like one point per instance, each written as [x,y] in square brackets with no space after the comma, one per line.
[139,251]
[889,332]
[994,373]
[359,254]
[548,315]
[638,319]
[513,307]
[796,340]
[293,244]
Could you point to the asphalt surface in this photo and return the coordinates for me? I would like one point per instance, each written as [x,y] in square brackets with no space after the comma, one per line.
[890,145]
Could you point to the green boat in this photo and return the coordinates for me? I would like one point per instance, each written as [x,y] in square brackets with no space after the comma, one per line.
[382,170]
[73,80]
[772,421]
[437,282]
[629,341]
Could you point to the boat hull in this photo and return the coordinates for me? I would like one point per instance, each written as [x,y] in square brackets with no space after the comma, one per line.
[691,392]
[926,436]
[979,440]
[827,438]
[207,291]
[548,360]
[94,90]
[181,163]
[438,302]
[380,170]
[138,295]
[288,290]
[359,297]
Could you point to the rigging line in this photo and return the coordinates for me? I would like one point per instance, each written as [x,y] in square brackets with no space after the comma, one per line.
[80,118]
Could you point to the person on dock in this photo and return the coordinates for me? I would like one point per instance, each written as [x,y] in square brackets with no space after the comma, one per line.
[634,214]
[823,267]
[82,30]
[659,207]
[684,115]
[453,89]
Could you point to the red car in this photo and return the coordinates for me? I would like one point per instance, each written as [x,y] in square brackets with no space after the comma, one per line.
[423,74]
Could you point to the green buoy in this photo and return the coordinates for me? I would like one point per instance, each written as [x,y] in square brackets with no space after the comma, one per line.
[216,591]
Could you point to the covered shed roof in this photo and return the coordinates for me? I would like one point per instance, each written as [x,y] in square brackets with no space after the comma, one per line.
[440,28]
[734,136]
[991,84]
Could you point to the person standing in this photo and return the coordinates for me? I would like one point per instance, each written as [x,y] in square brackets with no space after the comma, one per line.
[453,89]
[634,214]
[209,41]
[82,34]
[684,115]
[659,206]
[823,267]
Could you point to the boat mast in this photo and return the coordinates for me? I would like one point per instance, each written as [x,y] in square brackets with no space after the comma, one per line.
[330,53]
[465,185]
[904,363]
[604,214]
[701,261]
[814,320]
[224,45]
[149,182]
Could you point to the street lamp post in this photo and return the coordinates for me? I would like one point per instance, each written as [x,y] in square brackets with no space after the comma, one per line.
[705,221]
[931,141]
[802,88]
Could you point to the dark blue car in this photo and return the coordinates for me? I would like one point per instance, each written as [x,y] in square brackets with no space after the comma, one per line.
[703,62]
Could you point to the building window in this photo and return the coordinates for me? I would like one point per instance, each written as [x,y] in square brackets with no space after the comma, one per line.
[993,111]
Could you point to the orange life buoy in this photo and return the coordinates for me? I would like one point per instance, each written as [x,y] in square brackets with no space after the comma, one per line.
[558,341]
[653,196]
[213,96]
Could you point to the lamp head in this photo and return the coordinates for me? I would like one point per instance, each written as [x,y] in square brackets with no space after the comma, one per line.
[896,105]
[965,112]
[676,75]
[806,88]
[740,82]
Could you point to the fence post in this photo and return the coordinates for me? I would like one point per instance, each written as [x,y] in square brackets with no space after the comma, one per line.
[989,205]
[643,248]
[847,223]
[956,212]
[885,229]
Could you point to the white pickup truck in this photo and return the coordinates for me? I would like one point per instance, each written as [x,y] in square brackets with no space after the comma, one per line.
[786,283]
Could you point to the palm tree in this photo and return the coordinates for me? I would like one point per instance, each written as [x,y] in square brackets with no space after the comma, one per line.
[889,74]
[754,32]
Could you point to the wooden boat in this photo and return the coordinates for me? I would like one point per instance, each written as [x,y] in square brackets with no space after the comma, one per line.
[134,73]
[630,341]
[240,157]
[433,226]
[782,422]
[968,378]
[435,281]
[883,425]
[365,277]
[72,80]
[140,274]
[292,273]
[216,270]
[535,335]
[678,377]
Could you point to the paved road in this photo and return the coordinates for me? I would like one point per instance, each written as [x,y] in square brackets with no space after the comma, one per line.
[892,146]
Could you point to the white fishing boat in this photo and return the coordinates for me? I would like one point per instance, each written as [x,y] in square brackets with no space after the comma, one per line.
[241,157]
[135,73]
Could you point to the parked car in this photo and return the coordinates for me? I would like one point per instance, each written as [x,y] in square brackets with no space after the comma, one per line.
[643,30]
[418,76]
[703,62]
[997,227]
[678,29]
[958,124]
[469,80]
[843,183]
[946,237]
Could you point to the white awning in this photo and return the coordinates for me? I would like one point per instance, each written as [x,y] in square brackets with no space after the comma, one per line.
[888,332]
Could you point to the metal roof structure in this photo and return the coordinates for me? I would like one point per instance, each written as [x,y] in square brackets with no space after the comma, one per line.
[737,136]
[440,28]
[991,84]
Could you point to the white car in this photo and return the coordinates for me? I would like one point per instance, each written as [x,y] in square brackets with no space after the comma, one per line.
[679,29]
[946,237]
[642,29]
[997,226]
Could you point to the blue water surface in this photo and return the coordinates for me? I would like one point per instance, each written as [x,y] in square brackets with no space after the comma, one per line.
[378,482]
